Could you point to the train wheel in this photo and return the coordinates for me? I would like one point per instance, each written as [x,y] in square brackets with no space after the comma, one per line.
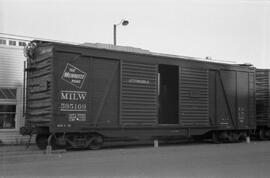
[267,134]
[68,146]
[53,141]
[42,141]
[230,137]
[262,135]
[215,137]
[242,136]
[96,143]
[234,137]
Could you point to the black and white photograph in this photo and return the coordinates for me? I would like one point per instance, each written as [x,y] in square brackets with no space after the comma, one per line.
[135,88]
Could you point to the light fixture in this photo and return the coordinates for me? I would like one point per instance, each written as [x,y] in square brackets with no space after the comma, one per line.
[124,22]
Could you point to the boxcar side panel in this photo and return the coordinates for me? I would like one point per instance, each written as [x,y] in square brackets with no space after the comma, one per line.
[104,92]
[138,94]
[213,97]
[193,100]
[225,99]
[232,99]
[86,92]
[71,91]
[252,101]
[229,84]
[242,99]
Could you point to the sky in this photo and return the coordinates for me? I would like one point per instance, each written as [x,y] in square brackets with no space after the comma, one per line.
[226,30]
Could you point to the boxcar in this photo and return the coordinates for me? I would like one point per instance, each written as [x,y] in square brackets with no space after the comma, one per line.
[79,95]
[262,103]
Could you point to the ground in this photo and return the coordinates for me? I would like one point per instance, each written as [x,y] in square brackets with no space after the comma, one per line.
[202,160]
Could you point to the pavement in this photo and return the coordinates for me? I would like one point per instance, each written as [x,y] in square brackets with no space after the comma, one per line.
[18,149]
[241,160]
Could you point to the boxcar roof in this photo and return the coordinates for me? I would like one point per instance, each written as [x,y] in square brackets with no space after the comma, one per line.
[147,52]
[134,50]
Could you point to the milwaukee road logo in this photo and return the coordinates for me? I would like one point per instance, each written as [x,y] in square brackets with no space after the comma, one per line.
[73,76]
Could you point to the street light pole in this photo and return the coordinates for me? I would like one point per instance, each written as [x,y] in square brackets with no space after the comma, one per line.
[114,34]
[124,23]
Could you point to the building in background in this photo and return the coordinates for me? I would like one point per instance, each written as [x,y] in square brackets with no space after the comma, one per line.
[11,88]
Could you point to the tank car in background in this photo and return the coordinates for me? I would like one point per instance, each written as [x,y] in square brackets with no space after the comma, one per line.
[78,96]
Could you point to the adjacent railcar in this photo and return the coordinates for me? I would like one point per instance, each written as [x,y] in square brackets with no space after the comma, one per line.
[79,95]
[262,103]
